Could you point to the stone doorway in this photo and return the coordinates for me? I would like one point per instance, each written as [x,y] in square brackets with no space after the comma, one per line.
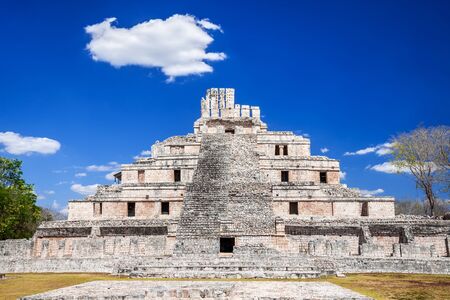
[227,244]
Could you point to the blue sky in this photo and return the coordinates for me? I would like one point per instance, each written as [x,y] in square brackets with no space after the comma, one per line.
[350,74]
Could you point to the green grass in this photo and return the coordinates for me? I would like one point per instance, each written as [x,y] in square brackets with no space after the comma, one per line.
[378,286]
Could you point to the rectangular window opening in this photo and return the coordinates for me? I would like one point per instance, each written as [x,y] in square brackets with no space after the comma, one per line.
[131,209]
[277,149]
[230,131]
[101,208]
[165,208]
[284,176]
[176,175]
[293,208]
[365,209]
[323,177]
[285,150]
[226,245]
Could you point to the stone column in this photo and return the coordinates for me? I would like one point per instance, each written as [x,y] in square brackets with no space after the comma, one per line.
[256,114]
[205,106]
[245,111]
[237,111]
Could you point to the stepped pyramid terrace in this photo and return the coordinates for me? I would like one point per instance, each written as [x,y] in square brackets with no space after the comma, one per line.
[231,199]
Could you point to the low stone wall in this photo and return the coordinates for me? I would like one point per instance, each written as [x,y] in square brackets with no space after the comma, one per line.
[206,267]
[403,237]
[15,248]
[392,265]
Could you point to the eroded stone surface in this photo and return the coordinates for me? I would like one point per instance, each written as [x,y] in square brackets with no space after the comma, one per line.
[199,290]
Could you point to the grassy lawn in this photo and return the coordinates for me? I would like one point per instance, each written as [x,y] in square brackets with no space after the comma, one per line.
[378,286]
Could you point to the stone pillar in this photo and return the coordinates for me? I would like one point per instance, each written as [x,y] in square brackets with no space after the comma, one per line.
[205,108]
[256,114]
[222,100]
[214,107]
[406,235]
[229,98]
[245,111]
[237,111]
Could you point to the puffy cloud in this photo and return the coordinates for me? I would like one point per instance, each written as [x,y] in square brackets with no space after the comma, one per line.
[16,144]
[146,153]
[205,23]
[177,45]
[324,150]
[111,166]
[388,167]
[50,192]
[110,176]
[82,174]
[64,210]
[380,150]
[85,190]
[41,197]
[342,175]
[55,205]
[368,193]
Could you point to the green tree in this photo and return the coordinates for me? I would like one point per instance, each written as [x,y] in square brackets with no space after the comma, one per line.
[424,152]
[19,215]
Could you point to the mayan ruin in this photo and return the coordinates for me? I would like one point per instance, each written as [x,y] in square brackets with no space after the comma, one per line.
[231,200]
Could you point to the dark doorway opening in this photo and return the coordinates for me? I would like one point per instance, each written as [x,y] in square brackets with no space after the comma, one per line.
[131,209]
[230,131]
[226,245]
[365,209]
[176,175]
[293,208]
[165,208]
[323,177]
[284,176]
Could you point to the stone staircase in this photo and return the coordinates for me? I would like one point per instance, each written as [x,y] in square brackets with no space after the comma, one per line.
[227,197]
[208,266]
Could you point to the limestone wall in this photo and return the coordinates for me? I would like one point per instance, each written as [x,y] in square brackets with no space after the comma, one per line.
[81,210]
[100,247]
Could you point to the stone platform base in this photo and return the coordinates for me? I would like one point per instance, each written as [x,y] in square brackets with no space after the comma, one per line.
[199,290]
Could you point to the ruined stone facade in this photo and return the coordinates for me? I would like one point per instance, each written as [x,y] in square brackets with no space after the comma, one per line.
[236,191]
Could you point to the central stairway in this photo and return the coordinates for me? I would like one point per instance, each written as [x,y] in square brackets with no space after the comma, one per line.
[227,197]
[212,266]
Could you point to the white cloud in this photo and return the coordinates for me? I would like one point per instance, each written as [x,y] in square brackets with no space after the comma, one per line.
[55,205]
[380,150]
[324,150]
[110,176]
[41,197]
[16,144]
[177,45]
[368,193]
[205,23]
[85,190]
[342,175]
[64,210]
[80,174]
[143,154]
[146,153]
[388,167]
[50,192]
[111,166]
